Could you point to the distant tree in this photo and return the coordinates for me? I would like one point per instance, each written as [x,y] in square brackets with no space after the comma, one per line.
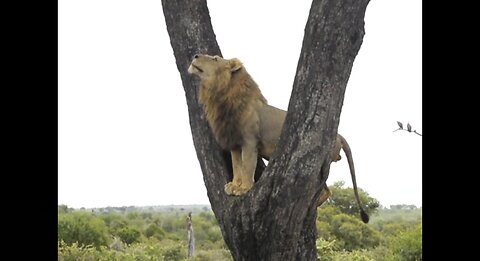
[324,221]
[340,224]
[190,236]
[128,235]
[147,215]
[154,231]
[83,228]
[408,245]
[353,233]
[64,209]
[392,228]
[133,215]
[175,254]
[403,206]
[207,215]
[115,222]
[344,199]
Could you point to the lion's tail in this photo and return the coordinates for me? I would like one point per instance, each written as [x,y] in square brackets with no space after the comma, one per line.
[348,152]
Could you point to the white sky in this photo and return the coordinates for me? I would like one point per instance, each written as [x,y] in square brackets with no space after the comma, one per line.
[124,135]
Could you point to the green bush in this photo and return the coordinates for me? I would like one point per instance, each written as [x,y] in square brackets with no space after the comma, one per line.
[214,234]
[75,252]
[324,230]
[356,255]
[82,228]
[325,249]
[382,252]
[353,233]
[129,235]
[175,253]
[408,245]
[115,222]
[212,255]
[146,251]
[344,199]
[154,231]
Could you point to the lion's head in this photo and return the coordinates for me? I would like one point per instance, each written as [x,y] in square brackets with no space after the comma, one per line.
[210,67]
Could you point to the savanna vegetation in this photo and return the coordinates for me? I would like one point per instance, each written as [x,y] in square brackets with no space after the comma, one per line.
[160,233]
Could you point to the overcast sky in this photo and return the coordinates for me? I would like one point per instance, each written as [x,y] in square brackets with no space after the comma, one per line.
[124,135]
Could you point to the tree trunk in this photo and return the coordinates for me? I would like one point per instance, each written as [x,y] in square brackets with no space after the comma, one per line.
[276,219]
[190,236]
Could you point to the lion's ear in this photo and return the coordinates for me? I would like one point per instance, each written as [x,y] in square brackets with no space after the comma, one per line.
[235,65]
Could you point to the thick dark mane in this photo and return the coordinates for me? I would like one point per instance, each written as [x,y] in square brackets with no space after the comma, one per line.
[225,100]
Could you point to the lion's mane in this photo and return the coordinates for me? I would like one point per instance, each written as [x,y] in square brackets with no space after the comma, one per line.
[226,99]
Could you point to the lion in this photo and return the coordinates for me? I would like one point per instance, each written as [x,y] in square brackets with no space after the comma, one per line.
[244,123]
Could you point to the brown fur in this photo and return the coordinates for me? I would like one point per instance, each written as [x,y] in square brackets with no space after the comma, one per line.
[243,123]
[227,98]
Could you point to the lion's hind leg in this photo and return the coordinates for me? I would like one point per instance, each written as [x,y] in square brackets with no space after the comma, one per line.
[324,195]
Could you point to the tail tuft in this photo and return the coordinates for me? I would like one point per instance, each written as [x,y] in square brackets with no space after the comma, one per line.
[365,217]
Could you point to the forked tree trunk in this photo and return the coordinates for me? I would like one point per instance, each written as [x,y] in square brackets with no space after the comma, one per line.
[276,219]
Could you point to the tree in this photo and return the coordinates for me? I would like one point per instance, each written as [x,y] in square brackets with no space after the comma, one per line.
[352,233]
[276,219]
[408,245]
[154,231]
[338,221]
[344,199]
[62,209]
[82,228]
[190,236]
[129,235]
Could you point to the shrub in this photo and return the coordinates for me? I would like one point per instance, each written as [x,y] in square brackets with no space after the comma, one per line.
[325,249]
[353,233]
[408,245]
[129,235]
[154,231]
[82,228]
[212,255]
[175,253]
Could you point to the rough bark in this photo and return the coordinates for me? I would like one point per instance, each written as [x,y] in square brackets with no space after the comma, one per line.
[276,219]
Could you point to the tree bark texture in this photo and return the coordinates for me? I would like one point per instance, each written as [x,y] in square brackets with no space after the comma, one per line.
[276,219]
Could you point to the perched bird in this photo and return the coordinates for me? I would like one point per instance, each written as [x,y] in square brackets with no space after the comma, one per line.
[400,124]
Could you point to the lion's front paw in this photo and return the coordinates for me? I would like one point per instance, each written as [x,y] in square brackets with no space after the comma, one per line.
[241,191]
[230,188]
[236,190]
